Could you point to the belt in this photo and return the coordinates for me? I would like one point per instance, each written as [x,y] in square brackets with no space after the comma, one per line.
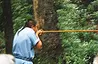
[23,58]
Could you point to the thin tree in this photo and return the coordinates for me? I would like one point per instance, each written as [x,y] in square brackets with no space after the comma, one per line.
[8,25]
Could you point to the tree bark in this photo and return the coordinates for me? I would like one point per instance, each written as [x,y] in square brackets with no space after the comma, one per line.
[46,16]
[8,27]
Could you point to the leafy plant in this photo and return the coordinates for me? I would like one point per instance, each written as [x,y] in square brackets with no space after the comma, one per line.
[79,48]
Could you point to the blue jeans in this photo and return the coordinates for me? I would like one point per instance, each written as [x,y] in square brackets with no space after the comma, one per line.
[20,61]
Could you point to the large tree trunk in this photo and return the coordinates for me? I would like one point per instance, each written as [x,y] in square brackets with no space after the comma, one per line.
[46,16]
[8,27]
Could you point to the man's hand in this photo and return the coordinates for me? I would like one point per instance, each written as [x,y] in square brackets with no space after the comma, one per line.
[39,44]
[39,32]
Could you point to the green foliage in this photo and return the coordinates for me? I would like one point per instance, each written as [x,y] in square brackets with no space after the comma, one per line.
[79,48]
[93,11]
[1,19]
[21,12]
[2,43]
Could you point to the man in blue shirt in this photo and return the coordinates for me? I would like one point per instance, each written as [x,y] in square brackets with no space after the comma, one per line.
[24,42]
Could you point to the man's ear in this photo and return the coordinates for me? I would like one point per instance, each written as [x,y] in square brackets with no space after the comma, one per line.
[38,26]
[32,26]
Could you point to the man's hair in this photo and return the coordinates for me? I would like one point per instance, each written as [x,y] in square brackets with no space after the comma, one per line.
[29,23]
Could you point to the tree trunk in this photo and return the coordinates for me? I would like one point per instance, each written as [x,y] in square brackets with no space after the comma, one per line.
[46,16]
[8,27]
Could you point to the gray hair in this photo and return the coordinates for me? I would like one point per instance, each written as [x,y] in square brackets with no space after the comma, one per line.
[95,60]
[7,59]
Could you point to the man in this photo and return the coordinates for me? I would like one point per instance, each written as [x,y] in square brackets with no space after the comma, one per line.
[24,42]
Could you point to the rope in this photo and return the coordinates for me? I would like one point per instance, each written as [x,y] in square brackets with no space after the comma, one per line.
[53,31]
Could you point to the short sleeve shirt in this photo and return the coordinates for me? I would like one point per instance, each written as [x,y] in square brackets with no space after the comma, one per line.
[24,41]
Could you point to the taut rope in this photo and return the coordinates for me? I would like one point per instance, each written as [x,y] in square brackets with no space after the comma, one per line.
[48,31]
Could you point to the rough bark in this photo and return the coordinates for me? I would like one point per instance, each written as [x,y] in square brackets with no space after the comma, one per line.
[8,27]
[46,16]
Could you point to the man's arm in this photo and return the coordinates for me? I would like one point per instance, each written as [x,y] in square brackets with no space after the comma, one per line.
[39,43]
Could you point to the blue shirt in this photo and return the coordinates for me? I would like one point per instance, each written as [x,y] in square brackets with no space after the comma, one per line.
[23,44]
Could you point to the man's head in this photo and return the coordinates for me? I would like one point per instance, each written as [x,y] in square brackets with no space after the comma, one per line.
[32,24]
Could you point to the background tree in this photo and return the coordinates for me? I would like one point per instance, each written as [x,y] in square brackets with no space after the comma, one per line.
[8,24]
[45,14]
